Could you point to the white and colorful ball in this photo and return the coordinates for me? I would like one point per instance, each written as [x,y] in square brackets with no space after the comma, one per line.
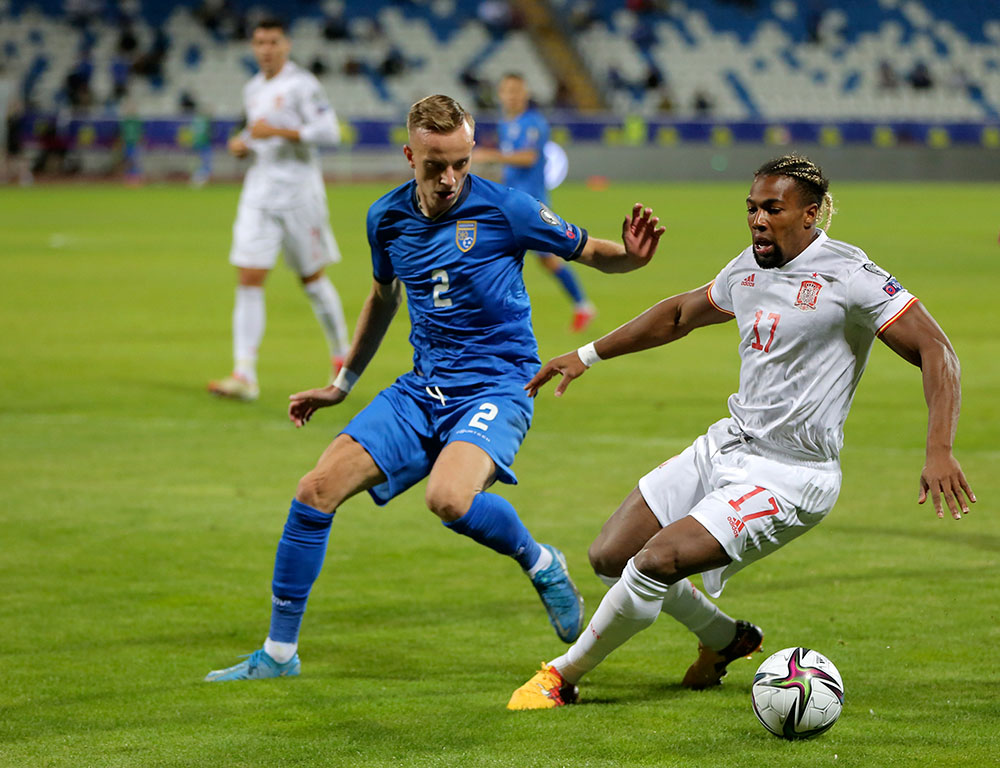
[797,693]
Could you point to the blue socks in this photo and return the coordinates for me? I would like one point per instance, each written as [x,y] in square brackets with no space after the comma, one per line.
[493,522]
[300,557]
[571,283]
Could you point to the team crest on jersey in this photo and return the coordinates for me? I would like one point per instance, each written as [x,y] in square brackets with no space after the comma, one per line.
[465,235]
[808,293]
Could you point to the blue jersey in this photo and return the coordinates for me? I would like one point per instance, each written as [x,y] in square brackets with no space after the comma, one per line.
[469,311]
[526,131]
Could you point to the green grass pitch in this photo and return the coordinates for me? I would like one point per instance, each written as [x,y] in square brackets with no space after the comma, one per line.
[140,516]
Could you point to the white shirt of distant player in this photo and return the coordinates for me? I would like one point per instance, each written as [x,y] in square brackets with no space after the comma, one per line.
[287,174]
[806,332]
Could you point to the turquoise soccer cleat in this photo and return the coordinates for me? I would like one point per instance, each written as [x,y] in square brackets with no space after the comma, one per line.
[560,596]
[256,666]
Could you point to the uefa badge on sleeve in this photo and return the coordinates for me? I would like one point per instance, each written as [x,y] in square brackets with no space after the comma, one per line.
[808,293]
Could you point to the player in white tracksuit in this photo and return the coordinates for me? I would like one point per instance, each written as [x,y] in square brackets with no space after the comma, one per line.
[283,203]
[808,310]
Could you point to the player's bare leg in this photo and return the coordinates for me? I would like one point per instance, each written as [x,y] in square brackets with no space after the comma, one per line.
[344,469]
[652,580]
[456,492]
[249,319]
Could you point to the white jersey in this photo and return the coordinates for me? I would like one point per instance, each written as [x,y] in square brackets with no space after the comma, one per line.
[287,174]
[806,332]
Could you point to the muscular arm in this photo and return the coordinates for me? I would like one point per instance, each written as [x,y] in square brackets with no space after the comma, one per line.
[919,340]
[640,236]
[667,321]
[376,315]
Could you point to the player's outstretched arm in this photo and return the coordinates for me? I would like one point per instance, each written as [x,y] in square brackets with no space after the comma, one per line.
[376,315]
[667,321]
[641,234]
[918,339]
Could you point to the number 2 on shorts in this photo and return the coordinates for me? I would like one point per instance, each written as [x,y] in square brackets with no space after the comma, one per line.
[487,412]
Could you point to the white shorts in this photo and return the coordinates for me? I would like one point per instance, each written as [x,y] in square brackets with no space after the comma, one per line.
[303,234]
[752,504]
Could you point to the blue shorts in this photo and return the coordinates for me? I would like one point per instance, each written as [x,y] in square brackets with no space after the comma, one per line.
[405,427]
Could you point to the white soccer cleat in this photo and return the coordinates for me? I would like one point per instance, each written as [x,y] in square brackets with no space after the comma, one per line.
[235,387]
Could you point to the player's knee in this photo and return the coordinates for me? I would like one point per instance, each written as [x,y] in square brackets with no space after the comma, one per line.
[316,492]
[604,561]
[447,503]
[660,562]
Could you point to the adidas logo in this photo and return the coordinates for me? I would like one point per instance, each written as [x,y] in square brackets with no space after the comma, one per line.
[737,525]
[748,281]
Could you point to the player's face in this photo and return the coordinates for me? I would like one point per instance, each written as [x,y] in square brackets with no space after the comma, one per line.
[781,223]
[513,95]
[440,163]
[271,48]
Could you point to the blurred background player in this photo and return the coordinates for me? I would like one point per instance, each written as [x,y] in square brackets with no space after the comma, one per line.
[457,242]
[808,310]
[523,134]
[283,204]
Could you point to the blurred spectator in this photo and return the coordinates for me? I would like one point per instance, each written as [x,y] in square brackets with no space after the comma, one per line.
[15,163]
[393,64]
[582,14]
[318,66]
[888,80]
[564,97]
[78,81]
[150,64]
[920,77]
[121,68]
[702,103]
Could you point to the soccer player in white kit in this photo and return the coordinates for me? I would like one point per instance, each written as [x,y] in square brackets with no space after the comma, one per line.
[808,310]
[283,204]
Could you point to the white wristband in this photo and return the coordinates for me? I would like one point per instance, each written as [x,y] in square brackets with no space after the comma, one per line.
[588,355]
[345,380]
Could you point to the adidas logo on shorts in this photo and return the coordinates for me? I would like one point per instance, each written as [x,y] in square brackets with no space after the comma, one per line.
[737,525]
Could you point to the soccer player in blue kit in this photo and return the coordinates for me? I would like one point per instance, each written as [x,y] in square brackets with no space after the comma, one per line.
[457,243]
[523,134]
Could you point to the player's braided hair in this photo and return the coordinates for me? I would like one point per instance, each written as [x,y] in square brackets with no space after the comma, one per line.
[809,178]
[438,114]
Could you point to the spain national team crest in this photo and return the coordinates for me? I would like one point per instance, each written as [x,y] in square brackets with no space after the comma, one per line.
[808,293]
[465,235]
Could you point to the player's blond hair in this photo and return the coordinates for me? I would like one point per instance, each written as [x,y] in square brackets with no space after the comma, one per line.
[809,178]
[438,114]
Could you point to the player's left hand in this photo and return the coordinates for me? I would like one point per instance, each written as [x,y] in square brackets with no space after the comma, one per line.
[261,129]
[641,235]
[942,477]
[303,405]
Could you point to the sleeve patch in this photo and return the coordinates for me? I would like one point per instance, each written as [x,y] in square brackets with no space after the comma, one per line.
[892,286]
[549,217]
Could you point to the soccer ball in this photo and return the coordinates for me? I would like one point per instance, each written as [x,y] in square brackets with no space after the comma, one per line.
[797,693]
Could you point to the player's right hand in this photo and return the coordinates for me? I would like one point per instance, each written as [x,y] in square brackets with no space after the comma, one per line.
[569,365]
[237,147]
[303,405]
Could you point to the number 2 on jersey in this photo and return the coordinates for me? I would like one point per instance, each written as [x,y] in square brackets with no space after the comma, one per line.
[774,317]
[440,277]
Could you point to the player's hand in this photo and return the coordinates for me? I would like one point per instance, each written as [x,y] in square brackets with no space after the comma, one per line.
[237,147]
[303,405]
[569,365]
[261,129]
[641,235]
[943,478]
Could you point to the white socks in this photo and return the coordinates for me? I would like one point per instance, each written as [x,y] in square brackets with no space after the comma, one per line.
[248,329]
[630,606]
[544,561]
[330,312]
[280,652]
[691,608]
